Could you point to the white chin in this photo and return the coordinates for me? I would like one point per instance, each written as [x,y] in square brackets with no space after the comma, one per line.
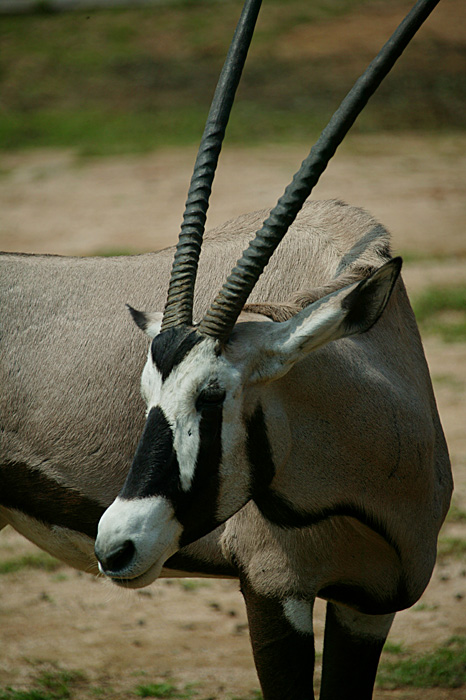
[141,580]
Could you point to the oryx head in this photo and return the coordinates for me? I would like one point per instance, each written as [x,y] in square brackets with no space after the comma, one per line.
[208,387]
[205,450]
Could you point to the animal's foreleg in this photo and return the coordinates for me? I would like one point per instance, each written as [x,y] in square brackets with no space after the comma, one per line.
[352,646]
[283,645]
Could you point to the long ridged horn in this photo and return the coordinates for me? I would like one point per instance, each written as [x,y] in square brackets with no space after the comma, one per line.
[179,305]
[224,311]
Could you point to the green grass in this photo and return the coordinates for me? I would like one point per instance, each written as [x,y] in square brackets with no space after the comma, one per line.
[113,252]
[451,547]
[456,514]
[42,561]
[393,648]
[419,256]
[191,585]
[163,690]
[104,133]
[51,685]
[442,311]
[444,667]
[132,80]
[450,381]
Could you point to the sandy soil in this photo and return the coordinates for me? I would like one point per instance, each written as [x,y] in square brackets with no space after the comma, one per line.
[197,632]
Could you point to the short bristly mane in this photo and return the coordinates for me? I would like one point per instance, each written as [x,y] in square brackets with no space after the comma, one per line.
[344,253]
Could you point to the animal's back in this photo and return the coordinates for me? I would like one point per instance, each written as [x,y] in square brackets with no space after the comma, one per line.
[71,358]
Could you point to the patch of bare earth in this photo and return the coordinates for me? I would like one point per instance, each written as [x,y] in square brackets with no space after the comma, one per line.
[51,202]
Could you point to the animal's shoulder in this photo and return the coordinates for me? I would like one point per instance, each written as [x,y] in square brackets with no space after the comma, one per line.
[337,234]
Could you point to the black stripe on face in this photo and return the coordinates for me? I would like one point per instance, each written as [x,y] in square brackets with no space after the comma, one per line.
[278,510]
[155,470]
[198,511]
[275,507]
[259,452]
[40,497]
[170,347]
[182,561]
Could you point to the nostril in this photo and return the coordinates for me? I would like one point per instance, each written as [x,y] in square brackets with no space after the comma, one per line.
[118,559]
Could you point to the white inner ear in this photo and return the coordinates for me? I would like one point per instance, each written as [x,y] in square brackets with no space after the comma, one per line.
[153,323]
[273,348]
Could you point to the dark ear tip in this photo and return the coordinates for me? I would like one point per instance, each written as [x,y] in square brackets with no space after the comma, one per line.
[394,268]
[393,265]
[139,317]
[397,263]
[389,271]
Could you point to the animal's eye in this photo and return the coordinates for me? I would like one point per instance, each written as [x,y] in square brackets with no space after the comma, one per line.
[210,398]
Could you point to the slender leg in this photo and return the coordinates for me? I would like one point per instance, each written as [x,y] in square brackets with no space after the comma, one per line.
[352,646]
[283,645]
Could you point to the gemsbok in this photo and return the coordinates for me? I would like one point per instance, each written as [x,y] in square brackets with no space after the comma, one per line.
[292,441]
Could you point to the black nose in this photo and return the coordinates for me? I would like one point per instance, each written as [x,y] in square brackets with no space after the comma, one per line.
[117,559]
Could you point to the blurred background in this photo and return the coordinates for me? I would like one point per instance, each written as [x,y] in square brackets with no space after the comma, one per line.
[114,77]
[102,106]
[103,103]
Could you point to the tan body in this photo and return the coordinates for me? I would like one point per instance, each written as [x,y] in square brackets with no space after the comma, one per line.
[70,410]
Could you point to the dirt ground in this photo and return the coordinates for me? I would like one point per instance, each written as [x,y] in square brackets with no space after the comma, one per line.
[196,632]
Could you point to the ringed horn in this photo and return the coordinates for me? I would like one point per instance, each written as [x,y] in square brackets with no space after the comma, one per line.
[225,309]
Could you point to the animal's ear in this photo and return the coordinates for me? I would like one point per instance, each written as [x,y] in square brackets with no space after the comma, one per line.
[348,311]
[149,322]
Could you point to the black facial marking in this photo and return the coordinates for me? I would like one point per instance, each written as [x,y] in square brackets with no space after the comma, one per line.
[182,561]
[259,452]
[154,470]
[275,507]
[278,510]
[38,496]
[210,398]
[170,347]
[197,511]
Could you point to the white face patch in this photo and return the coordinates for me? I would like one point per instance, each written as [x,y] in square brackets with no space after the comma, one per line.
[177,395]
[151,383]
[299,615]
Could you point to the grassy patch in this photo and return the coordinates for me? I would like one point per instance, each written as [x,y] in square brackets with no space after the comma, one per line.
[456,514]
[419,256]
[425,607]
[393,648]
[443,668]
[255,695]
[448,380]
[113,252]
[191,585]
[134,79]
[442,311]
[42,561]
[451,547]
[163,690]
[50,685]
